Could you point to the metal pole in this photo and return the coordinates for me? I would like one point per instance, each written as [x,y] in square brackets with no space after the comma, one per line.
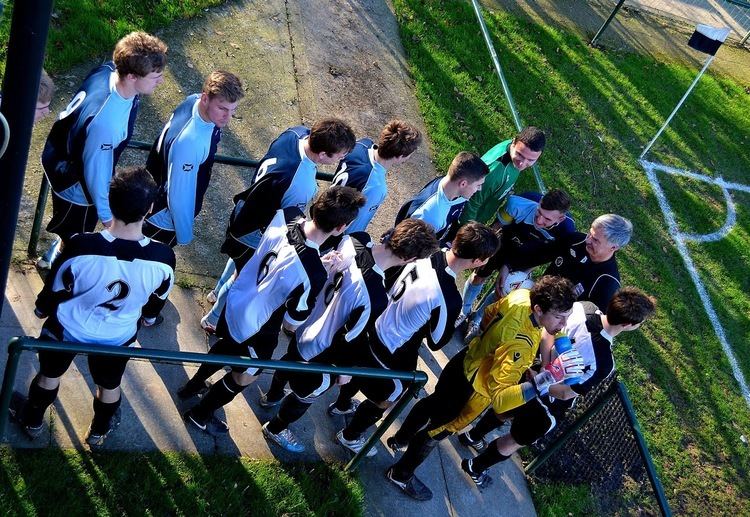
[679,104]
[420,379]
[506,89]
[745,38]
[36,227]
[607,22]
[28,38]
[554,447]
[643,448]
[11,369]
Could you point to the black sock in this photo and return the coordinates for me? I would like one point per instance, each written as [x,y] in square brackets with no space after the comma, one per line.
[291,410]
[488,458]
[367,414]
[420,446]
[278,383]
[39,400]
[220,394]
[418,417]
[221,347]
[346,393]
[486,424]
[103,412]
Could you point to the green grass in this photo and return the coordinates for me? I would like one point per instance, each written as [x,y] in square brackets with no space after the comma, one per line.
[556,500]
[63,482]
[599,108]
[103,23]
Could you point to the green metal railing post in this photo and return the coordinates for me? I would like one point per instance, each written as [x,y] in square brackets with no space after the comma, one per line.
[643,448]
[141,146]
[588,415]
[420,379]
[11,369]
[607,22]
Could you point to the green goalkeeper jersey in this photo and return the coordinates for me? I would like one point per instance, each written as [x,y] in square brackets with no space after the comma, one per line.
[483,205]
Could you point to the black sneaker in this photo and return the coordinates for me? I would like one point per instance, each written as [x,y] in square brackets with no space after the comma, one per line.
[414,488]
[333,410]
[212,426]
[395,445]
[482,480]
[465,440]
[15,410]
[189,391]
[97,440]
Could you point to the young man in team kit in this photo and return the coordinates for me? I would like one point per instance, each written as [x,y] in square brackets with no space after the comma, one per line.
[182,157]
[365,167]
[86,140]
[285,178]
[351,300]
[278,284]
[423,303]
[99,288]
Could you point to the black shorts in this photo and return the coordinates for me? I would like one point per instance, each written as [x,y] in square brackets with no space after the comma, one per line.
[168,237]
[106,371]
[69,218]
[307,386]
[237,251]
[531,421]
[377,390]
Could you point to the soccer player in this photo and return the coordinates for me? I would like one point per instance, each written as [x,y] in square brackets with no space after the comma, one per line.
[592,335]
[586,260]
[86,140]
[352,299]
[96,293]
[506,161]
[485,374]
[441,201]
[530,222]
[285,178]
[365,167]
[423,303]
[183,155]
[279,283]
[44,97]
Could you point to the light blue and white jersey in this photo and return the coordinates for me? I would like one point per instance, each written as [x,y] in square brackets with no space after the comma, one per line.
[361,171]
[432,206]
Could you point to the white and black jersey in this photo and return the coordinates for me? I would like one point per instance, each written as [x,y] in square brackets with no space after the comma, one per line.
[588,336]
[100,286]
[286,271]
[349,301]
[423,303]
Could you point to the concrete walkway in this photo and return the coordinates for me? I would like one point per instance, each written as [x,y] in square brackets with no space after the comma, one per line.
[299,61]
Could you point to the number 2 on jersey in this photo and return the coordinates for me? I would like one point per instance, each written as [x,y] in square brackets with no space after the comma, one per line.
[120,290]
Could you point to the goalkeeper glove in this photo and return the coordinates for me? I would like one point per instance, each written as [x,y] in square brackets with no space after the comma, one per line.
[565,366]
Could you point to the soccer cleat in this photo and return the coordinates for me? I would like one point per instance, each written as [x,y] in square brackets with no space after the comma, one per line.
[17,402]
[355,445]
[46,260]
[414,488]
[482,479]
[211,296]
[471,331]
[284,439]
[189,390]
[460,320]
[394,445]
[333,410]
[212,426]
[478,445]
[97,440]
[265,403]
[206,325]
[158,320]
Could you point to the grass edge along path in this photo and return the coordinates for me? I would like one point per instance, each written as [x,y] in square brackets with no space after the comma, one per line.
[54,481]
[598,108]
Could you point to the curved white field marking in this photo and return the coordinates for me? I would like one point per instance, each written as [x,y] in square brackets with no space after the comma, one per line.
[702,293]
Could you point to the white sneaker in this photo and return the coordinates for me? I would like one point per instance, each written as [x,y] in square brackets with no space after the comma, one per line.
[355,445]
[284,439]
[206,325]
[460,320]
[471,331]
[333,410]
[211,296]
[46,260]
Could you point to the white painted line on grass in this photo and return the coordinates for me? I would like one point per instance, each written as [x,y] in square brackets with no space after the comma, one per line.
[679,239]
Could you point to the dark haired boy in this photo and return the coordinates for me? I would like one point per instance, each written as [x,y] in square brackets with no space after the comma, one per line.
[278,284]
[86,140]
[485,374]
[352,299]
[442,200]
[422,304]
[365,167]
[592,334]
[285,178]
[182,157]
[98,289]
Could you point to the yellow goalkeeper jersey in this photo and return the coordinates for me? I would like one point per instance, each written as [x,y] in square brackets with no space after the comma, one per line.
[503,351]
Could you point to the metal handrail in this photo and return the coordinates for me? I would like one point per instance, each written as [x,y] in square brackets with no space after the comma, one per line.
[17,345]
[41,201]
